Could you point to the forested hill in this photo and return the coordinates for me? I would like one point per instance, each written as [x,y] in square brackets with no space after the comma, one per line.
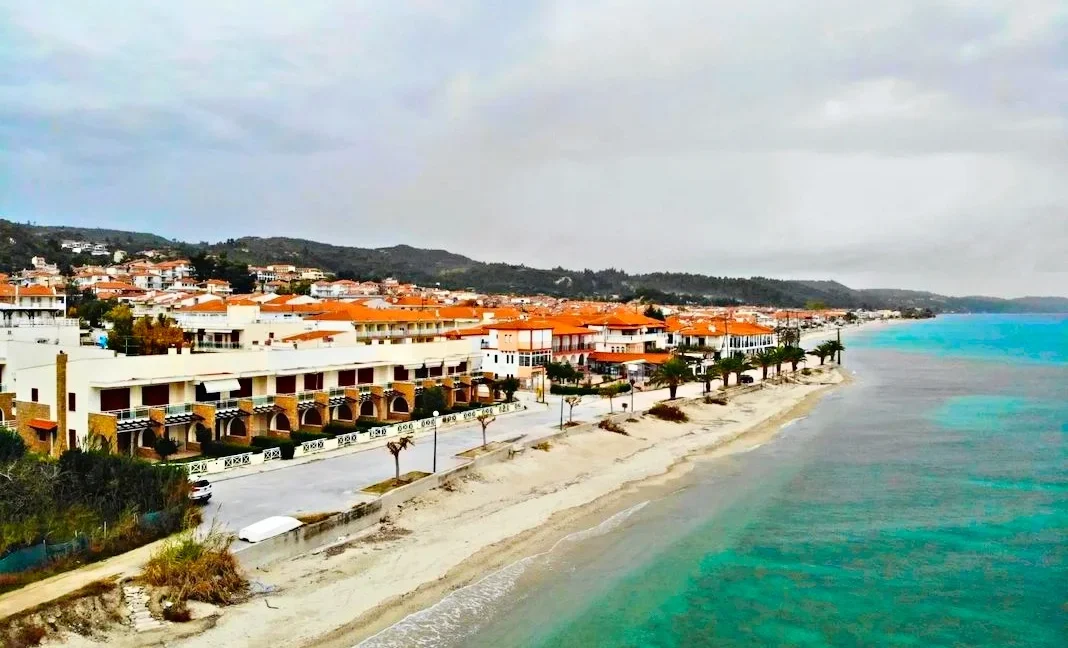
[19,242]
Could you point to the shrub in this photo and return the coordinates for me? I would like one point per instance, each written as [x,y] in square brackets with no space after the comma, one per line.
[196,570]
[611,426]
[585,390]
[334,428]
[177,612]
[221,449]
[266,442]
[668,413]
[301,437]
[715,400]
[806,372]
[544,446]
[12,446]
[165,447]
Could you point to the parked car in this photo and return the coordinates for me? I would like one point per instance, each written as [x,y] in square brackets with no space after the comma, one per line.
[745,379]
[201,491]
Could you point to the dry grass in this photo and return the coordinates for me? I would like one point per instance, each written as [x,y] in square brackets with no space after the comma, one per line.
[572,424]
[480,450]
[544,446]
[196,570]
[85,611]
[667,412]
[30,634]
[612,426]
[312,518]
[391,483]
[715,400]
[178,612]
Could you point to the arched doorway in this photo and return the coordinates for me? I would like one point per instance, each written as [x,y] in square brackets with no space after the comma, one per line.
[280,422]
[460,395]
[399,405]
[343,412]
[581,360]
[367,408]
[237,428]
[483,391]
[147,438]
[312,417]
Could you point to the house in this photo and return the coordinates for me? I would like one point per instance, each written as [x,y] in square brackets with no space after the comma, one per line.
[517,348]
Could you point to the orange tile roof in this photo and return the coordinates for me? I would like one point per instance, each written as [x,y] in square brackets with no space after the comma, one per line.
[42,424]
[310,335]
[37,290]
[617,358]
[360,313]
[520,325]
[467,332]
[213,306]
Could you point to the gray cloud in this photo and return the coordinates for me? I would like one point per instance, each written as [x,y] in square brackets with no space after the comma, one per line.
[921,144]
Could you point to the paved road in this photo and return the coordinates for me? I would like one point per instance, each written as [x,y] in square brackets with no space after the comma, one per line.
[334,483]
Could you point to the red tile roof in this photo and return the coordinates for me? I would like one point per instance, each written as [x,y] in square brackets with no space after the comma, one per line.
[619,358]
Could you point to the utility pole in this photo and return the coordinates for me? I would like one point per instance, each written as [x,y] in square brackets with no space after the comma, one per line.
[561,411]
[839,345]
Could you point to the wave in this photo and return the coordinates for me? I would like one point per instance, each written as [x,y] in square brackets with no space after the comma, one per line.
[459,614]
[792,421]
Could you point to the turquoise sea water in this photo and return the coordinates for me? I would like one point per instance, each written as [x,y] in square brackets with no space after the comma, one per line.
[926,504]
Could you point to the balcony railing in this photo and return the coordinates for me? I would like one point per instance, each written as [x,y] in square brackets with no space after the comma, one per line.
[210,345]
[336,391]
[225,404]
[3,388]
[21,322]
[262,401]
[178,409]
[131,414]
[305,396]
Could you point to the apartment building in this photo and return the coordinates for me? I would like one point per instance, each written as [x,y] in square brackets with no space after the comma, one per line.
[129,402]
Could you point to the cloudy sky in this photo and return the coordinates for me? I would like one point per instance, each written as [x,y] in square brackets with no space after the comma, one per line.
[914,143]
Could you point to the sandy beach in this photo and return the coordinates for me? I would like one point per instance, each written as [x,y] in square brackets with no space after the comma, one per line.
[451,537]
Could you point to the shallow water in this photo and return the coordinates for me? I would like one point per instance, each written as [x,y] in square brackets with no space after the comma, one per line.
[926,504]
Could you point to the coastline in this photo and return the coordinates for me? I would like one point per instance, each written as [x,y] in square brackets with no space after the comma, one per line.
[452,537]
[540,539]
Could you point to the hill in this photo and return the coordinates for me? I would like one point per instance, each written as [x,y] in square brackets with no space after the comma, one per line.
[19,242]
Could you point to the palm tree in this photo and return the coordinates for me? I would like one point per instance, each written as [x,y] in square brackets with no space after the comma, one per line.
[609,392]
[777,355]
[672,373]
[794,355]
[819,352]
[736,365]
[395,448]
[836,348]
[721,371]
[764,359]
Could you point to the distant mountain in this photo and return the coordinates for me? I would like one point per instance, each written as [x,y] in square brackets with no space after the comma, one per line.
[19,242]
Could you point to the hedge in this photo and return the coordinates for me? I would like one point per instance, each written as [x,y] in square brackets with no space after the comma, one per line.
[288,447]
[220,449]
[301,437]
[570,390]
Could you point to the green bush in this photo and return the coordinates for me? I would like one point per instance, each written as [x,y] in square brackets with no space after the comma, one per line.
[12,446]
[301,437]
[334,428]
[267,442]
[221,449]
[586,390]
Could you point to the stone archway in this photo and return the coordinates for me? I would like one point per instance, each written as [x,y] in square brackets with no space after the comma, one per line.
[399,405]
[312,417]
[343,412]
[367,408]
[460,395]
[280,422]
[237,427]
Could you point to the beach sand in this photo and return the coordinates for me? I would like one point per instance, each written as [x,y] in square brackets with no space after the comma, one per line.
[448,538]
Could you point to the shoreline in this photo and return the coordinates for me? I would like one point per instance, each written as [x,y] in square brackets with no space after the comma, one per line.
[501,554]
[464,531]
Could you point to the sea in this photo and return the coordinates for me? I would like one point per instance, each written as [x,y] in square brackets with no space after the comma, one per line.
[923,504]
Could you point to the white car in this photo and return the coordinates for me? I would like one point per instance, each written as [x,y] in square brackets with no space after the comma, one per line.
[201,491]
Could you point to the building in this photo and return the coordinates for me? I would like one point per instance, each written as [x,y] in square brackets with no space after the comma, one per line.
[517,349]
[72,400]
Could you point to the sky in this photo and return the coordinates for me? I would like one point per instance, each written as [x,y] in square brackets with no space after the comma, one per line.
[909,144]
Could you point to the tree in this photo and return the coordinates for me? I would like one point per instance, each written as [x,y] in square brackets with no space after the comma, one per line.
[572,401]
[777,354]
[120,337]
[734,365]
[820,352]
[654,312]
[484,419]
[794,355]
[165,447]
[609,392]
[788,335]
[12,446]
[672,373]
[431,400]
[155,336]
[765,358]
[509,386]
[395,448]
[835,348]
[93,311]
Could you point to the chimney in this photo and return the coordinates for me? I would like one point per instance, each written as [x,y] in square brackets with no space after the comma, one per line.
[61,401]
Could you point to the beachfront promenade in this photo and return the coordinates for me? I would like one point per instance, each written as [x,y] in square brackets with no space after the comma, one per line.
[333,482]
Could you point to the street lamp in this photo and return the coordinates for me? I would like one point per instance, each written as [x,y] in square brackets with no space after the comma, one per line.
[631,394]
[435,441]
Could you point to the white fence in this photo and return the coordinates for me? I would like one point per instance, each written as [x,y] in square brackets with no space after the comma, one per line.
[221,464]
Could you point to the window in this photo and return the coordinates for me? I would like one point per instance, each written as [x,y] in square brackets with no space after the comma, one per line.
[400,373]
[155,395]
[114,399]
[285,384]
[346,378]
[42,435]
[366,376]
[313,381]
[494,358]
[34,395]
[245,391]
[71,400]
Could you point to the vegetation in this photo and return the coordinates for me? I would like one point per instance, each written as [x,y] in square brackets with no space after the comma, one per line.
[736,365]
[156,336]
[584,390]
[765,359]
[835,348]
[671,373]
[561,372]
[654,312]
[92,311]
[484,419]
[609,392]
[820,352]
[793,355]
[431,400]
[219,266]
[74,499]
[544,446]
[288,447]
[397,446]
[165,447]
[572,401]
[509,386]
[612,426]
[216,449]
[194,569]
[668,413]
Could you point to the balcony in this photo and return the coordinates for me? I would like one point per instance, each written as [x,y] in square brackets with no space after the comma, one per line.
[180,409]
[306,397]
[131,414]
[43,322]
[225,404]
[209,345]
[262,401]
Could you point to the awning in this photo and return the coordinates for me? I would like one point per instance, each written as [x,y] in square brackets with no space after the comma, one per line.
[42,424]
[220,385]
